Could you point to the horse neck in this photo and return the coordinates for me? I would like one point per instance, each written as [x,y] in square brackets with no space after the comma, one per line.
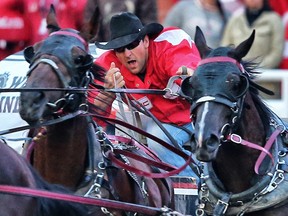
[60,158]
[236,161]
[252,127]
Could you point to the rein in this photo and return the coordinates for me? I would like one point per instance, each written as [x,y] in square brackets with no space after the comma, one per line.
[111,154]
[81,90]
[264,150]
[129,207]
[117,161]
[47,123]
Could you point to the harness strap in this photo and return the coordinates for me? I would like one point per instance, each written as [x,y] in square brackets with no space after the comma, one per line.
[221,59]
[238,140]
[126,140]
[267,146]
[55,68]
[54,121]
[222,205]
[73,35]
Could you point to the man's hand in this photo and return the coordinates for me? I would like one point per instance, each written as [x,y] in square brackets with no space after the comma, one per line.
[183,70]
[114,78]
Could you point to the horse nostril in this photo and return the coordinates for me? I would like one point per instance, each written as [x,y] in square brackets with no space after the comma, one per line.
[38,97]
[211,141]
[193,143]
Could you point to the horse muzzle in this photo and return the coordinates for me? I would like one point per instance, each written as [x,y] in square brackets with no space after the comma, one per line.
[205,149]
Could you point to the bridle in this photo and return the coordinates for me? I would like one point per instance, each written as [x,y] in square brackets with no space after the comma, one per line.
[75,67]
[235,104]
[212,196]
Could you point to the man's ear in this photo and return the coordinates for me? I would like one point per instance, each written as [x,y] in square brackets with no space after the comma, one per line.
[146,41]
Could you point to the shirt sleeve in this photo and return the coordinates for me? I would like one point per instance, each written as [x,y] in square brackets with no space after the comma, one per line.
[176,49]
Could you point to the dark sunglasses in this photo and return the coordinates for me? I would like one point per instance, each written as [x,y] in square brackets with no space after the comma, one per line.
[129,46]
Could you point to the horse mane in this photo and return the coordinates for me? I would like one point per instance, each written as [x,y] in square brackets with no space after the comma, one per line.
[56,207]
[98,72]
[251,72]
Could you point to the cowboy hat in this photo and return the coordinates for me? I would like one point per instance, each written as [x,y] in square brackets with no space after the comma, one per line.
[125,28]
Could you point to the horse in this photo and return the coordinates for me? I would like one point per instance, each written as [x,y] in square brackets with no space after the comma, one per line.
[240,141]
[66,150]
[16,171]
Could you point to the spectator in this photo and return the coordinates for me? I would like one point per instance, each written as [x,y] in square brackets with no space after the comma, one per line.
[146,57]
[232,5]
[163,8]
[269,40]
[69,14]
[14,28]
[146,10]
[209,15]
[281,7]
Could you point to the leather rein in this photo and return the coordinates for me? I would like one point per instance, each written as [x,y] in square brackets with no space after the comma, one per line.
[106,203]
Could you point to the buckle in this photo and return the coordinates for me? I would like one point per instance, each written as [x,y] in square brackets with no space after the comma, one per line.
[235,138]
[223,205]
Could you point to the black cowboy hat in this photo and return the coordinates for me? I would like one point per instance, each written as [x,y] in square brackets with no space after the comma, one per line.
[126,28]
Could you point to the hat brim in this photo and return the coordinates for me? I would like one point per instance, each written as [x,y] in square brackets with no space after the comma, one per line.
[150,30]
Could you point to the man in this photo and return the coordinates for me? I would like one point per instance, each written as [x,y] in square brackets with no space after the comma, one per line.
[145,57]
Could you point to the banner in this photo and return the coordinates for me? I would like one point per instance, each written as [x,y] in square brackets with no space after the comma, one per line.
[12,75]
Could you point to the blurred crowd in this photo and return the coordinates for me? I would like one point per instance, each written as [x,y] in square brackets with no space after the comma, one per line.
[224,22]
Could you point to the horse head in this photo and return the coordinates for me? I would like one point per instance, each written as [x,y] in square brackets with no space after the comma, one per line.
[61,60]
[216,91]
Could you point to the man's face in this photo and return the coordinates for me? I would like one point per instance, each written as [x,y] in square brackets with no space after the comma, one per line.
[254,4]
[134,59]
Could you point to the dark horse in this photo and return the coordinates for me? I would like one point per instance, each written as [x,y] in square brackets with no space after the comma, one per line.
[67,151]
[240,141]
[16,171]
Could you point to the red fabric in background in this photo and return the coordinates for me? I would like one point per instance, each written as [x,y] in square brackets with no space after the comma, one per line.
[69,15]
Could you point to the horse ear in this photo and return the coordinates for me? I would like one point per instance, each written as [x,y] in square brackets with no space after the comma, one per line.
[186,90]
[29,54]
[90,29]
[200,42]
[243,48]
[51,19]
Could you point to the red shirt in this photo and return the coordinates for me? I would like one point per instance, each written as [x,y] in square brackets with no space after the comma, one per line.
[14,28]
[171,49]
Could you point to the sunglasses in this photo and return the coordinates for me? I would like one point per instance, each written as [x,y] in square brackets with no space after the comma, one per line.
[129,46]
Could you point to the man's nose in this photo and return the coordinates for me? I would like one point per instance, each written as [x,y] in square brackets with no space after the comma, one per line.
[127,52]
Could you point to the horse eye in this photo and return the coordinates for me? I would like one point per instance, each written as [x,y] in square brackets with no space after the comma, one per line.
[233,82]
[236,85]
[79,59]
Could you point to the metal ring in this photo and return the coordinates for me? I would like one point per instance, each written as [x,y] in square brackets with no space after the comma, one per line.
[184,70]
